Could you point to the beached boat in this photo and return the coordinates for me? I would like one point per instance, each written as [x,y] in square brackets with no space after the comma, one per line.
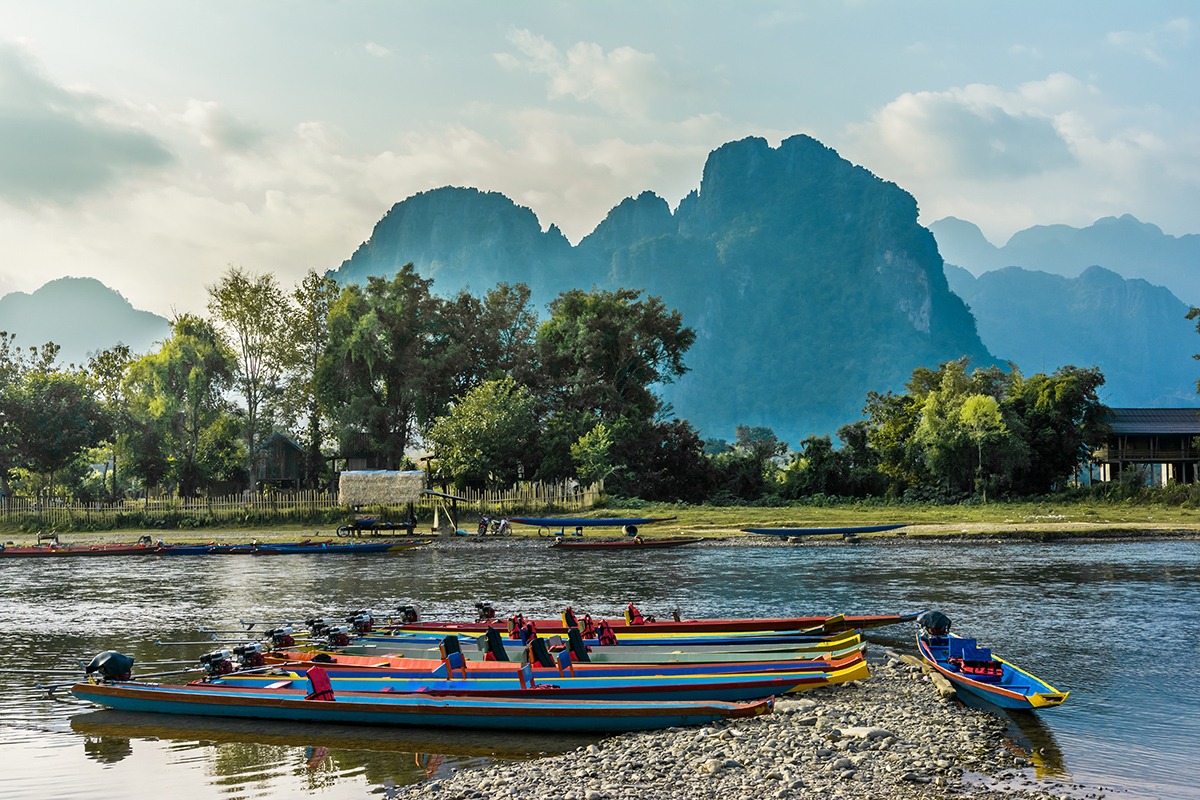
[630,543]
[975,670]
[845,531]
[675,652]
[581,686]
[637,624]
[530,712]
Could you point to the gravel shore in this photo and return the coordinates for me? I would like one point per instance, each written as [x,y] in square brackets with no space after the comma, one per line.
[895,735]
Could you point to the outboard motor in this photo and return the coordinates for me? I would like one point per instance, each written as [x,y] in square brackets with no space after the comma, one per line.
[317,625]
[218,662]
[281,638]
[409,614]
[251,655]
[338,635]
[110,666]
[362,622]
[934,623]
[485,611]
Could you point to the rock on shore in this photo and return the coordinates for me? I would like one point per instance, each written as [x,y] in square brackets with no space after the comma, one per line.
[892,736]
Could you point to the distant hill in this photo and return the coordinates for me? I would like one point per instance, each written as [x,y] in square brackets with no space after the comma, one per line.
[1123,244]
[1133,331]
[80,315]
[807,279]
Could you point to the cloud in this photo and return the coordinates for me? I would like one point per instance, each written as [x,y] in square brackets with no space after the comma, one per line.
[58,145]
[619,81]
[217,128]
[977,131]
[377,50]
[1151,44]
[1054,150]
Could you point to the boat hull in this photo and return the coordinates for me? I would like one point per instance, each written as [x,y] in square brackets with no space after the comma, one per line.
[625,544]
[452,711]
[848,531]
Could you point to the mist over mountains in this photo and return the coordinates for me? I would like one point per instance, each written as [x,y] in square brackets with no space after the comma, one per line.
[808,281]
[82,316]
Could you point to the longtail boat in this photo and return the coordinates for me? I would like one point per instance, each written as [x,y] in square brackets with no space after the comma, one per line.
[679,651]
[631,543]
[724,686]
[975,670]
[74,550]
[848,531]
[636,624]
[305,547]
[547,666]
[529,712]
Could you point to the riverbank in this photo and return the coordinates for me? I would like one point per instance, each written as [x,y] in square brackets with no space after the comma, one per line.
[893,735]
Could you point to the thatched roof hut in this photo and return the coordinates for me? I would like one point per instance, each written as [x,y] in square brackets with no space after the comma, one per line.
[380,487]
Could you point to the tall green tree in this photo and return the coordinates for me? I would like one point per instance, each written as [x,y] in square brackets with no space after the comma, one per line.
[307,339]
[982,422]
[177,402]
[602,352]
[250,310]
[383,374]
[106,373]
[1060,419]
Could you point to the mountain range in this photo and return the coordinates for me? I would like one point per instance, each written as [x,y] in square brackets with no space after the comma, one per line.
[82,316]
[808,280]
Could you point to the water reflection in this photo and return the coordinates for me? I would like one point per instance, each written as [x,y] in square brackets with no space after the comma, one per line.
[247,751]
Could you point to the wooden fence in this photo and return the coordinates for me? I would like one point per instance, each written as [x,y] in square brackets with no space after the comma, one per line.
[282,507]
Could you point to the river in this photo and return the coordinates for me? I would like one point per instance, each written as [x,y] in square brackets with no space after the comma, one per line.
[1117,624]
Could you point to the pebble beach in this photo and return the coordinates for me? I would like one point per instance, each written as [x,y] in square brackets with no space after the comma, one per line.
[899,734]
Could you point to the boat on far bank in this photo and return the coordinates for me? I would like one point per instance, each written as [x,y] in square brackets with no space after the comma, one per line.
[844,531]
[631,543]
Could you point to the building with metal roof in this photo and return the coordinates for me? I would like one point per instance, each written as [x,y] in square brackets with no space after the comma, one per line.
[1164,441]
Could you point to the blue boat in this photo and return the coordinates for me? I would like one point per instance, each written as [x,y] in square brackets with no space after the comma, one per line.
[528,712]
[975,670]
[850,531]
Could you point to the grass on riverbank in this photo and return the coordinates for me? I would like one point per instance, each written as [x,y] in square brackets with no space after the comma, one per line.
[1065,517]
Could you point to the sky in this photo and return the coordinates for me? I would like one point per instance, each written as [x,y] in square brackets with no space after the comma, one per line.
[152,145]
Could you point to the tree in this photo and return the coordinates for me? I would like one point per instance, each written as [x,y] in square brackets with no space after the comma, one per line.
[56,419]
[484,439]
[981,419]
[106,373]
[306,342]
[592,454]
[383,373]
[177,402]
[1059,419]
[601,352]
[250,310]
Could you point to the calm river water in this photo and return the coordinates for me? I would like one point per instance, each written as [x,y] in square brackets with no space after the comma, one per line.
[1115,623]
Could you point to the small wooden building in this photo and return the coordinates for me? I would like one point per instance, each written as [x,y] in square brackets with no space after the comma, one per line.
[1162,440]
[282,464]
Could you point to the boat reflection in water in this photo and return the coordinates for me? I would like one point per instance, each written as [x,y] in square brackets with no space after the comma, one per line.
[247,750]
[1028,736]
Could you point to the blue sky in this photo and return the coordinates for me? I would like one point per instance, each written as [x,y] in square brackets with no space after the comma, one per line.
[151,144]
